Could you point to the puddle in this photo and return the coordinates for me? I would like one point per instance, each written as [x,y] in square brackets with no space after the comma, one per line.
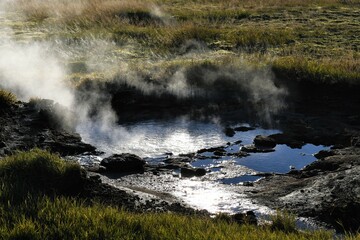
[282,159]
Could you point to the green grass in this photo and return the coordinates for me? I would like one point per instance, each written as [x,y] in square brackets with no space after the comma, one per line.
[41,210]
[37,172]
[65,218]
[300,40]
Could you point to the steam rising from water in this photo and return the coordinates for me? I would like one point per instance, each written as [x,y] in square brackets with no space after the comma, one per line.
[29,70]
[37,69]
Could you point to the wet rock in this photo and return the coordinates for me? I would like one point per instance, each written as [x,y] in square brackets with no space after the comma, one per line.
[243,129]
[35,125]
[253,149]
[264,141]
[248,184]
[291,141]
[192,172]
[239,154]
[178,160]
[219,153]
[214,149]
[124,162]
[324,154]
[229,132]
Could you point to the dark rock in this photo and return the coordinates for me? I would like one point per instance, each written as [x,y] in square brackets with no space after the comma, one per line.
[245,218]
[191,172]
[291,141]
[124,162]
[243,129]
[253,149]
[214,149]
[237,142]
[324,154]
[188,155]
[248,184]
[229,132]
[177,160]
[219,153]
[264,141]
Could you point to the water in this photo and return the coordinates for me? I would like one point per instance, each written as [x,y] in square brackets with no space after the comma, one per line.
[156,138]
[222,189]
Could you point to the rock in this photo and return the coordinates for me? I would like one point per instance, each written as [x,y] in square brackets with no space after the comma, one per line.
[253,149]
[219,153]
[243,129]
[124,162]
[214,149]
[245,218]
[177,160]
[239,154]
[191,172]
[324,154]
[264,141]
[281,138]
[229,132]
[248,184]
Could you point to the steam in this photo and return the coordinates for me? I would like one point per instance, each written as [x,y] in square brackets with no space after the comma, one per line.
[39,70]
[30,71]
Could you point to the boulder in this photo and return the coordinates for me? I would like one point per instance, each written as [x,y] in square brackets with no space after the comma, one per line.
[229,132]
[124,162]
[264,141]
[324,154]
[245,218]
[213,149]
[191,172]
[254,149]
[243,129]
[289,140]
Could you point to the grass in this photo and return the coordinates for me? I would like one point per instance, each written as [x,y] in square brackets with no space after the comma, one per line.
[37,172]
[300,40]
[7,99]
[65,218]
[36,213]
[34,204]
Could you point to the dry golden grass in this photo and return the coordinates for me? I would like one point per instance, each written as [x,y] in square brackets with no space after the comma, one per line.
[80,10]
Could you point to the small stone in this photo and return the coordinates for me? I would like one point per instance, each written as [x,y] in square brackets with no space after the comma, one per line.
[229,132]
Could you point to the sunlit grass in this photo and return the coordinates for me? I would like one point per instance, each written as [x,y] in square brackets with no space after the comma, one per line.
[42,211]
[37,172]
[64,218]
[7,98]
[325,70]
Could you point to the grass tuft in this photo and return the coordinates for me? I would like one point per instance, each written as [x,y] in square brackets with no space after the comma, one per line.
[37,172]
[7,99]
[283,221]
